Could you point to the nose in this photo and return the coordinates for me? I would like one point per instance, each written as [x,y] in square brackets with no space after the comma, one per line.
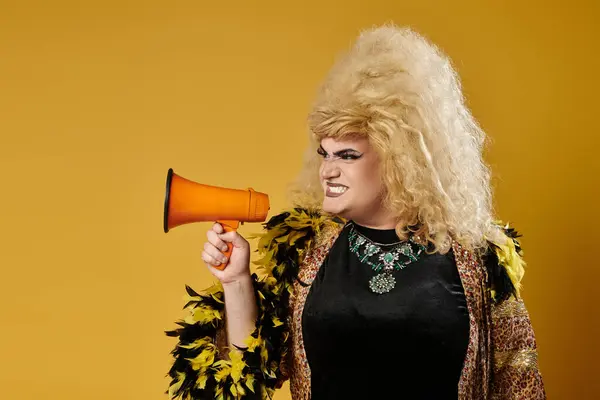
[329,170]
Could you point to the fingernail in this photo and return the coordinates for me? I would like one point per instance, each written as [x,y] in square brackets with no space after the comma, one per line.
[224,248]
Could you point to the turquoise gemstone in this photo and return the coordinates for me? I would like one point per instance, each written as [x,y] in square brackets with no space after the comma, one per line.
[388,258]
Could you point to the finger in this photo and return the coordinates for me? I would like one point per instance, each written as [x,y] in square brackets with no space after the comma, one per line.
[234,238]
[209,259]
[215,271]
[215,240]
[214,253]
[217,227]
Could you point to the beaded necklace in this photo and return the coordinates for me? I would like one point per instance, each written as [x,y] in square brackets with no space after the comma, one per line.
[383,259]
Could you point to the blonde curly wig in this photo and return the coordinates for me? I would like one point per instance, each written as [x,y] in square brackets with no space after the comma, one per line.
[402,93]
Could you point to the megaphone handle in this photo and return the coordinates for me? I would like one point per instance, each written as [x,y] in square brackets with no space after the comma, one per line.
[228,226]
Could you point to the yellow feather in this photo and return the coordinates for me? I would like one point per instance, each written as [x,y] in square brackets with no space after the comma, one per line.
[279,239]
[203,314]
[270,392]
[240,389]
[201,381]
[264,354]
[214,288]
[214,296]
[223,371]
[237,365]
[204,341]
[204,359]
[510,259]
[250,382]
[294,236]
[270,281]
[267,255]
[252,343]
[187,298]
[280,268]
[278,289]
[267,262]
[266,238]
[270,373]
[175,387]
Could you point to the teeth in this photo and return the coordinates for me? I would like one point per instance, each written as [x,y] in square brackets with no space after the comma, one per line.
[337,189]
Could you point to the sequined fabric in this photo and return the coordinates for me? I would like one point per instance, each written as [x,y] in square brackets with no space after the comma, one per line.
[476,369]
[501,358]
[514,351]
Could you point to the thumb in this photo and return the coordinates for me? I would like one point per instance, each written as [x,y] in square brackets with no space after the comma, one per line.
[234,238]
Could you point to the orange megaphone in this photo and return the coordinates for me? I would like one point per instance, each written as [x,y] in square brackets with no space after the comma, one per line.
[187,201]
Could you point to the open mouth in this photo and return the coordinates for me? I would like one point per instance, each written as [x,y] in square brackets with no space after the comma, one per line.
[335,190]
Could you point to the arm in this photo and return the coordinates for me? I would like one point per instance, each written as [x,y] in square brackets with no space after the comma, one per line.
[241,310]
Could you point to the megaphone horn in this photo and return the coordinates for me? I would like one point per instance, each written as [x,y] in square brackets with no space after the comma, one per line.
[187,201]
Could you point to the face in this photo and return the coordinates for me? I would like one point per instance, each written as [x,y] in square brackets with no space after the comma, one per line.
[350,178]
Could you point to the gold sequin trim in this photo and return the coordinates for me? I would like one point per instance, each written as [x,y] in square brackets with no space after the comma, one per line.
[510,309]
[521,359]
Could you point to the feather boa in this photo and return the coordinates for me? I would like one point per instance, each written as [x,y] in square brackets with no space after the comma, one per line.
[200,370]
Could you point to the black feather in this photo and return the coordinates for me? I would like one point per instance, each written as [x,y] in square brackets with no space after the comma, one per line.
[191,291]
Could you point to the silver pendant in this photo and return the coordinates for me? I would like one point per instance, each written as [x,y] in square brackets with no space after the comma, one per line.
[382,283]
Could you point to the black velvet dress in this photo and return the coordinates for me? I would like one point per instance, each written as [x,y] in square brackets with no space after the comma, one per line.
[409,343]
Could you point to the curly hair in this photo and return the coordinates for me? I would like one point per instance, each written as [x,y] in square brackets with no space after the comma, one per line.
[400,91]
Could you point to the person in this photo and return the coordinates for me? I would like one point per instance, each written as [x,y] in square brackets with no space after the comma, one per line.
[389,277]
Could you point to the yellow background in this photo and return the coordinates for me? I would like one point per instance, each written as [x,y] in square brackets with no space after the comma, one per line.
[99,99]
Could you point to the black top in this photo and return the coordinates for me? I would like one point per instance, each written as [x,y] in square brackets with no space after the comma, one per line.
[409,343]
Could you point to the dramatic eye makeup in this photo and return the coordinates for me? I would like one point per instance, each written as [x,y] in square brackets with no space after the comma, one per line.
[345,154]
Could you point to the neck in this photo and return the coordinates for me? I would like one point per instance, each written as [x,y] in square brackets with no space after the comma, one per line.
[375,224]
[376,220]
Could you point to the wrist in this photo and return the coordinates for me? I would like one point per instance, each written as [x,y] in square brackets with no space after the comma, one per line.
[242,280]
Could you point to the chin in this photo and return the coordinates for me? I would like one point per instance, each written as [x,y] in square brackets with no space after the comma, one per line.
[332,206]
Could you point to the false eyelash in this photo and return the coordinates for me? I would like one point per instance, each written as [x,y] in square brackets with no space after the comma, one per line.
[344,154]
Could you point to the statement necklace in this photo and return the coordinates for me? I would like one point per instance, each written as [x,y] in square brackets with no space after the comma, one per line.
[383,258]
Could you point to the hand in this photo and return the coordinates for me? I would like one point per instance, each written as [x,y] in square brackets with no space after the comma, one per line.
[238,267]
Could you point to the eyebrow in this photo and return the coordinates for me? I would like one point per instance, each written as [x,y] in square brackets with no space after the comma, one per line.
[337,153]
